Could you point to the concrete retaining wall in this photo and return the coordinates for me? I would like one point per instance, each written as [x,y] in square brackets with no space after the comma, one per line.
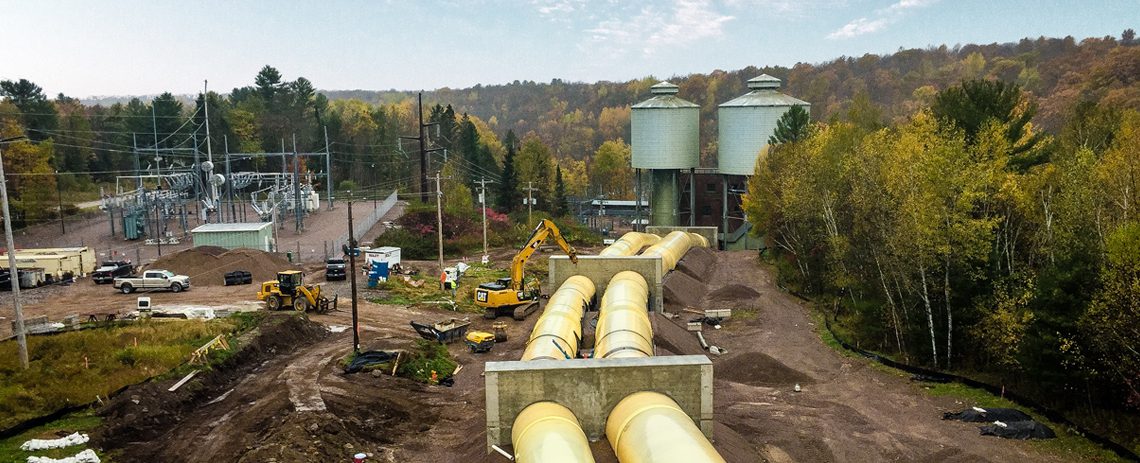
[592,387]
[710,233]
[600,269]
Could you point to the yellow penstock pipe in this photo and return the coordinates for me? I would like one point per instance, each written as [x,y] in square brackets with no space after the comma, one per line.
[629,244]
[560,325]
[674,246]
[545,432]
[649,427]
[624,330]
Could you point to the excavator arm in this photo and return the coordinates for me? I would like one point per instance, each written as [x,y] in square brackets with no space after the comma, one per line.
[544,230]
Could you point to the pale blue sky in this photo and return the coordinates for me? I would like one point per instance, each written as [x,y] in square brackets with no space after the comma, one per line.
[88,48]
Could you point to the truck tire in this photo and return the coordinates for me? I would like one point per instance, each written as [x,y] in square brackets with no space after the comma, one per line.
[126,288]
[300,304]
[176,287]
[273,302]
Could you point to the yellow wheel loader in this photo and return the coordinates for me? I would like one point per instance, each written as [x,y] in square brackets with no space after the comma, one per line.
[290,290]
[512,295]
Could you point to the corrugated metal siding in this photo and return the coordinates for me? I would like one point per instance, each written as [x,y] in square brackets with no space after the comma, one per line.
[743,132]
[665,138]
[236,239]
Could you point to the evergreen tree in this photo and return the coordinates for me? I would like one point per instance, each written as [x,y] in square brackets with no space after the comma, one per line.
[507,198]
[561,207]
[39,114]
[791,127]
[975,103]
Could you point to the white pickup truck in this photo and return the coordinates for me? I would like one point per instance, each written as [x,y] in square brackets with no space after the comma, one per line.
[153,280]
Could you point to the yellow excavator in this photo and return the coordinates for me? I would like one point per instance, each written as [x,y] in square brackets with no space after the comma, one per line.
[512,294]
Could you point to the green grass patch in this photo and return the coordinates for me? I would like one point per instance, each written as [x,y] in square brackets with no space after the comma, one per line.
[1068,444]
[427,357]
[79,422]
[396,291]
[73,368]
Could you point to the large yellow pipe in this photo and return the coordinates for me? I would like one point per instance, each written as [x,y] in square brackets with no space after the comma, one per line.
[649,427]
[674,246]
[560,325]
[549,433]
[624,330]
[630,244]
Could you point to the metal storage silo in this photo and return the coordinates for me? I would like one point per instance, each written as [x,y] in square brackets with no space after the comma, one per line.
[665,132]
[748,121]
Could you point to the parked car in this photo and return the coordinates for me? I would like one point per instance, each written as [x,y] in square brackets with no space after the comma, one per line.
[335,269]
[152,280]
[112,269]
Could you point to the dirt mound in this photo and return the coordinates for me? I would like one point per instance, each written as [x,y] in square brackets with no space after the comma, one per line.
[758,369]
[673,338]
[734,293]
[207,265]
[681,290]
[142,413]
[697,263]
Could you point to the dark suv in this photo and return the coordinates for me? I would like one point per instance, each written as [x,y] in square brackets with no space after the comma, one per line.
[110,270]
[335,269]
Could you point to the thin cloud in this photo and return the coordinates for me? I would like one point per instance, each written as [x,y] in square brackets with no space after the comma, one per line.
[882,18]
[652,28]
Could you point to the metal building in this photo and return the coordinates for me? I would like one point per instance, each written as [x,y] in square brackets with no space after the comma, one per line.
[746,123]
[665,132]
[256,235]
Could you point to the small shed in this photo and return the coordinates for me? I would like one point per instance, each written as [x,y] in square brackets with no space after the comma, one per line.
[255,235]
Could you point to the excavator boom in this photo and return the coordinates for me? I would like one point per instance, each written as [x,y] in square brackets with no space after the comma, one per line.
[542,231]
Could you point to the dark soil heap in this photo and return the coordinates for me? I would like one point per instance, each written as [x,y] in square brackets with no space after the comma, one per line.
[734,293]
[672,338]
[758,369]
[680,290]
[697,263]
[207,265]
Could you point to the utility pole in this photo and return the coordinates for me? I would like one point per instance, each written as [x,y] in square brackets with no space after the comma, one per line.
[529,202]
[138,161]
[158,219]
[59,202]
[439,218]
[197,170]
[13,272]
[423,149]
[328,168]
[352,277]
[209,151]
[229,180]
[483,203]
[423,158]
[297,189]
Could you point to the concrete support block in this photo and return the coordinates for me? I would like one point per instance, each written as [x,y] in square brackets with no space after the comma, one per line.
[590,388]
[600,269]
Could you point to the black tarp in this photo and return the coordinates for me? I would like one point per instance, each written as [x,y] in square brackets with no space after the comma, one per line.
[988,415]
[1018,430]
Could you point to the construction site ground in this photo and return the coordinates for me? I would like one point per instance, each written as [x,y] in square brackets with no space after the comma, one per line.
[291,402]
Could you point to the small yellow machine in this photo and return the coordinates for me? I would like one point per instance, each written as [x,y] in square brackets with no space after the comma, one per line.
[480,341]
[290,290]
[512,293]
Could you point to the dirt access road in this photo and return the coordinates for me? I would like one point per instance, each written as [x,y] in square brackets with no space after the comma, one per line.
[298,406]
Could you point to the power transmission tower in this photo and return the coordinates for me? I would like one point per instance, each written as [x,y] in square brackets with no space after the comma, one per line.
[423,148]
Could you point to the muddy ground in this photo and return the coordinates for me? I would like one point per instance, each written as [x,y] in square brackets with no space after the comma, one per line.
[291,402]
